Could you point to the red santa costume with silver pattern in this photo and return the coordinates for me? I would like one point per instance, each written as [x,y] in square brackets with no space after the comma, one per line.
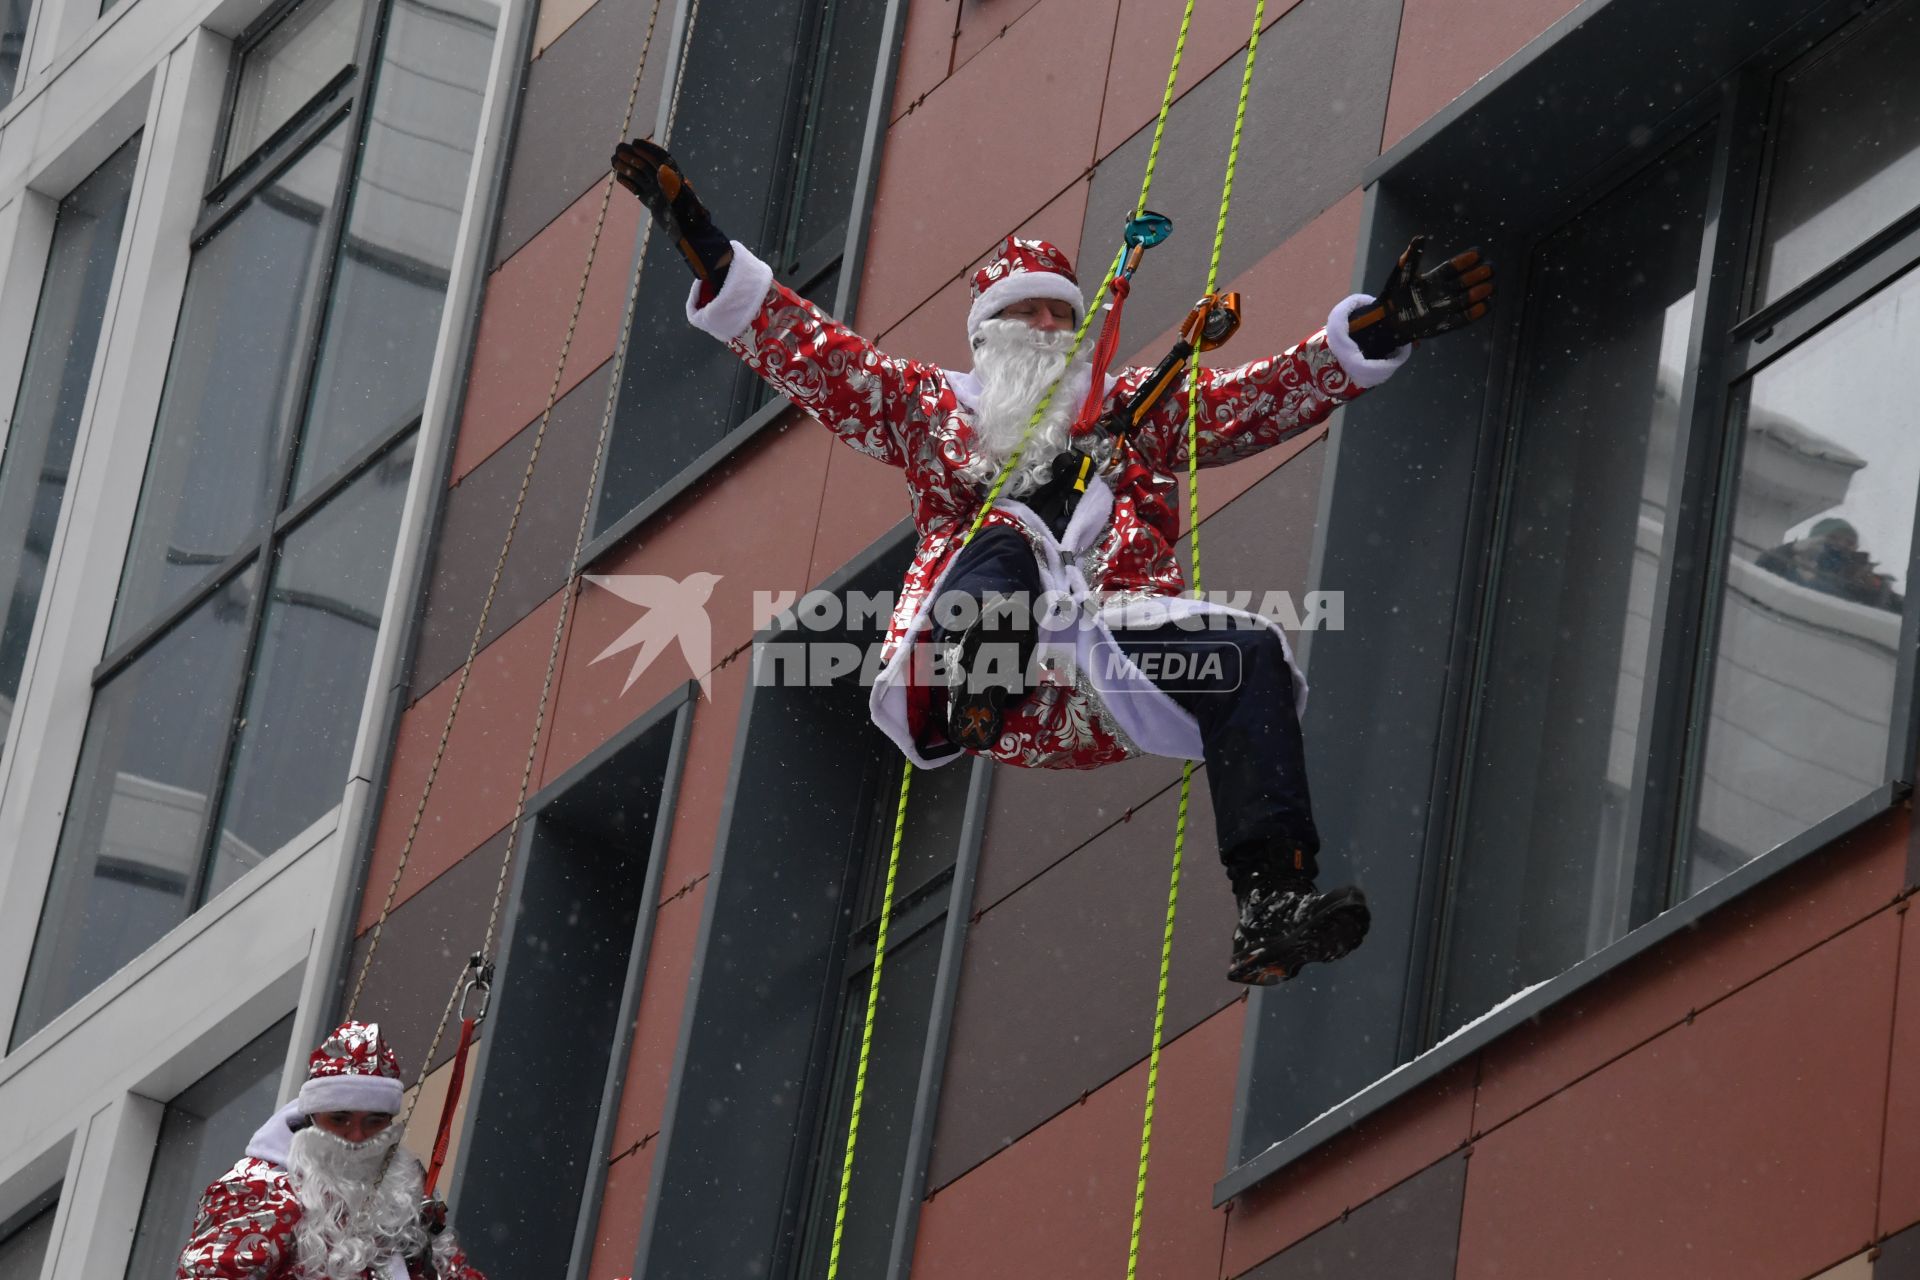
[1115,565]
[250,1221]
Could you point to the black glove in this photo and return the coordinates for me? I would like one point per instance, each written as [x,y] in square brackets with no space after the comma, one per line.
[650,173]
[1411,306]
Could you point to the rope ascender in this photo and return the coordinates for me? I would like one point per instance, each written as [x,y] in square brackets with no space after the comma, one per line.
[1211,322]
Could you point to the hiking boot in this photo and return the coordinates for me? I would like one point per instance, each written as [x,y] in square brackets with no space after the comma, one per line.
[982,685]
[1285,925]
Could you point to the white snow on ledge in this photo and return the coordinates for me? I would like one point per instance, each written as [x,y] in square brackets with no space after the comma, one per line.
[1498,1009]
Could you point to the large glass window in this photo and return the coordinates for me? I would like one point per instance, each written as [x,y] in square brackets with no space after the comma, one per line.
[203,1133]
[776,155]
[1548,849]
[1596,795]
[243,633]
[53,391]
[930,843]
[13,38]
[24,1242]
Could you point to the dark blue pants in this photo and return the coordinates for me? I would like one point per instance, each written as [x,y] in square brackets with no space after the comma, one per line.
[1235,682]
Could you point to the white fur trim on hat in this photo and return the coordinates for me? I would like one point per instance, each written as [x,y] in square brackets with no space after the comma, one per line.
[739,299]
[1019,287]
[1364,372]
[351,1093]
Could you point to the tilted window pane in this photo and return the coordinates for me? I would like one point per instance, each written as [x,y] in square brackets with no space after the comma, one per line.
[682,391]
[24,1251]
[310,671]
[129,854]
[1847,163]
[900,1021]
[390,279]
[213,473]
[291,63]
[13,37]
[53,390]
[836,126]
[1546,859]
[1809,640]
[203,1133]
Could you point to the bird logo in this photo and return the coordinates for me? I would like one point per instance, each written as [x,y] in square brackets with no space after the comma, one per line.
[672,609]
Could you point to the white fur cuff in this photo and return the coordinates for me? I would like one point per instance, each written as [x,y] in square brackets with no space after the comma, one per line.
[739,299]
[351,1093]
[1364,372]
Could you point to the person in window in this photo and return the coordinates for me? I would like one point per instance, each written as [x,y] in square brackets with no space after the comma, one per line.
[1040,643]
[1829,560]
[322,1192]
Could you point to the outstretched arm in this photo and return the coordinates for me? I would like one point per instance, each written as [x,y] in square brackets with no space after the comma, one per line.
[242,1229]
[858,391]
[1258,405]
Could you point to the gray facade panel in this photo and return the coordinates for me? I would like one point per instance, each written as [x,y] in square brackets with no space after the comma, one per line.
[1314,121]
[1411,1233]
[423,950]
[475,520]
[1057,990]
[575,93]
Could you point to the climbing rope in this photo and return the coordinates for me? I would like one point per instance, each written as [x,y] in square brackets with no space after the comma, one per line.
[979,519]
[478,971]
[1193,541]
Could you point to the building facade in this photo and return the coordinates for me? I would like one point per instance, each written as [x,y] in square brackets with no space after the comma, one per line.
[360,448]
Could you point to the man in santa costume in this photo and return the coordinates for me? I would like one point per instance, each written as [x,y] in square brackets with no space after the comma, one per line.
[1050,629]
[321,1193]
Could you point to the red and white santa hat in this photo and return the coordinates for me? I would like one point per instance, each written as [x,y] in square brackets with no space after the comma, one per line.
[1023,269]
[354,1070]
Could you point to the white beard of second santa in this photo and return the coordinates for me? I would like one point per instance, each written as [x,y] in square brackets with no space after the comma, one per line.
[347,1226]
[1016,363]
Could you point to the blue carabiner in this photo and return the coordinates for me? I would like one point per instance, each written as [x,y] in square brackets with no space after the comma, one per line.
[1141,234]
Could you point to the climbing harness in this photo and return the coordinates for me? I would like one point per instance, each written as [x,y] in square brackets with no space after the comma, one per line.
[478,975]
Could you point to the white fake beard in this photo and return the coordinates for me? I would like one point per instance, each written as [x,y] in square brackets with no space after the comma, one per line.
[1016,363]
[347,1226]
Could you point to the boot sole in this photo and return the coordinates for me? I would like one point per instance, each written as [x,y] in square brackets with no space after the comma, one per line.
[1340,926]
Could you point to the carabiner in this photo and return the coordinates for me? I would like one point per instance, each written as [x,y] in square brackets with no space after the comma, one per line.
[479,978]
[1141,234]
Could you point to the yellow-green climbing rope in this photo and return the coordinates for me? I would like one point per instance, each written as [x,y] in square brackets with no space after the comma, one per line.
[1193,540]
[993,494]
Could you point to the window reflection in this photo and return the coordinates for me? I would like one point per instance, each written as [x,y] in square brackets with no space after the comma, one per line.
[1803,673]
[129,853]
[202,1133]
[290,64]
[13,36]
[390,277]
[53,391]
[1848,159]
[1548,854]
[23,1249]
[310,674]
[212,473]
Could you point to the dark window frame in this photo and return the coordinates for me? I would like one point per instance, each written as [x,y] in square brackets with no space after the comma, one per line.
[809,266]
[945,902]
[672,717]
[1731,340]
[47,1201]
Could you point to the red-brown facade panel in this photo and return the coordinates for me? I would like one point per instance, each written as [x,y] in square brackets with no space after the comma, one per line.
[970,163]
[1801,910]
[1060,1202]
[479,777]
[523,322]
[1742,1145]
[926,51]
[1446,45]
[1380,1152]
[1900,1181]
